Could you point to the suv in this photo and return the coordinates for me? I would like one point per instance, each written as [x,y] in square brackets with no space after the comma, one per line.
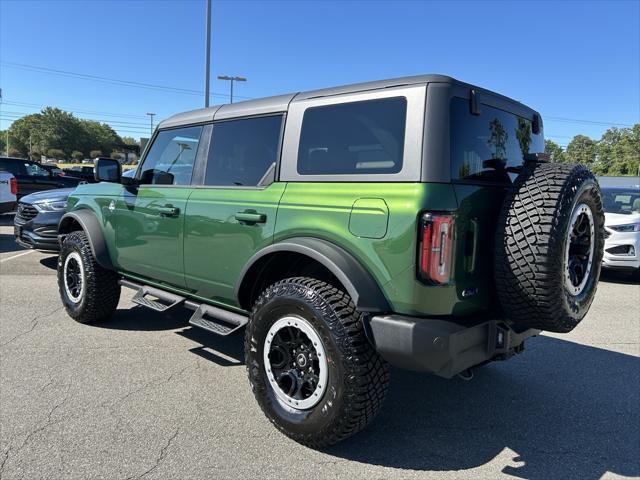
[411,222]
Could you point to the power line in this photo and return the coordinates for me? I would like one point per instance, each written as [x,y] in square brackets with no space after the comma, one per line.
[112,81]
[97,78]
[586,122]
[125,127]
[78,109]
[102,120]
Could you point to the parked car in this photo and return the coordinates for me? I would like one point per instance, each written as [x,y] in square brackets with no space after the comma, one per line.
[34,177]
[37,218]
[54,170]
[8,191]
[378,224]
[622,228]
[83,172]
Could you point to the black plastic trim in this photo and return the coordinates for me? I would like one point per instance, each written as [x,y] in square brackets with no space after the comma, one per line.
[443,347]
[358,282]
[92,228]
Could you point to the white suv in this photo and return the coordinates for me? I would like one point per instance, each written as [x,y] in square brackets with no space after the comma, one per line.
[622,228]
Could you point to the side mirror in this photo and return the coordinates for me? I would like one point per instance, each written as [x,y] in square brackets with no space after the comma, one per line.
[107,170]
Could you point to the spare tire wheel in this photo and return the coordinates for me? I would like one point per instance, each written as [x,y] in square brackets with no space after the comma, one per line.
[549,246]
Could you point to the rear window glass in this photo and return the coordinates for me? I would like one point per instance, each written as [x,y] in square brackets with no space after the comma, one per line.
[353,138]
[484,146]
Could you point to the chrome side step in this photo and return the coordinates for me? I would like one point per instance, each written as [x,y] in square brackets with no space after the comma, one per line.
[213,319]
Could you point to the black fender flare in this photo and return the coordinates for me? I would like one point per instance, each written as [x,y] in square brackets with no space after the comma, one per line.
[359,283]
[91,226]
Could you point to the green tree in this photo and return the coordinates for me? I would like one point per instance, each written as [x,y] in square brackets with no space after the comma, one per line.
[581,149]
[56,153]
[619,151]
[14,152]
[76,155]
[129,141]
[95,153]
[55,128]
[98,136]
[555,151]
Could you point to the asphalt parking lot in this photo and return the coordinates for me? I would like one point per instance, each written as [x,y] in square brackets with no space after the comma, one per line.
[147,396]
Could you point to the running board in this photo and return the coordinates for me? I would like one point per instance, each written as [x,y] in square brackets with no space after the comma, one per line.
[213,319]
[153,298]
[216,320]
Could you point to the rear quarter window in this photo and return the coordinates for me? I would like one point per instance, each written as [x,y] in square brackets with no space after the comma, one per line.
[365,137]
[484,146]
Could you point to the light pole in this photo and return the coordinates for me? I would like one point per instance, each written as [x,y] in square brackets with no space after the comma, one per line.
[207,60]
[231,79]
[151,115]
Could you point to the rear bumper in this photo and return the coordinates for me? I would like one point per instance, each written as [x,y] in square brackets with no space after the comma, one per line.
[443,347]
[6,207]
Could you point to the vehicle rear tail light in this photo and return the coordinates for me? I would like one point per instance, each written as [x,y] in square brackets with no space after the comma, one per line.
[13,183]
[435,253]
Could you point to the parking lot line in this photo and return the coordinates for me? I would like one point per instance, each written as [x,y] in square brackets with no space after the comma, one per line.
[16,256]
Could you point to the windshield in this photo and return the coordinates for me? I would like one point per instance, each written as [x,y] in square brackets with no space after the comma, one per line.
[621,200]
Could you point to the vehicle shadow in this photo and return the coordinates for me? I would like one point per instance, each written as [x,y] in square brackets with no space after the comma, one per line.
[566,410]
[8,244]
[50,262]
[225,351]
[142,319]
[560,410]
[615,276]
[6,220]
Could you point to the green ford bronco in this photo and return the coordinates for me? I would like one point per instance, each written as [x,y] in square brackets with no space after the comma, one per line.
[412,222]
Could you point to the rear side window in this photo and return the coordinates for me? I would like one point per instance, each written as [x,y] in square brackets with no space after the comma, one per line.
[171,157]
[364,137]
[242,151]
[484,146]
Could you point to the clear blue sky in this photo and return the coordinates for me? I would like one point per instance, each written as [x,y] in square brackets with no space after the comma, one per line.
[576,60]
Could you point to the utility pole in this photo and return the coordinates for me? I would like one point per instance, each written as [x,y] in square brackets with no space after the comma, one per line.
[151,115]
[7,132]
[231,79]
[207,60]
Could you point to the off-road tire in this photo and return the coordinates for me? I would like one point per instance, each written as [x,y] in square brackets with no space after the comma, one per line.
[358,377]
[101,290]
[530,246]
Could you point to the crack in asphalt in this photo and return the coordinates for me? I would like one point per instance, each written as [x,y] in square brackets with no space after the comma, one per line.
[159,459]
[34,322]
[11,452]
[4,460]
[152,383]
[34,432]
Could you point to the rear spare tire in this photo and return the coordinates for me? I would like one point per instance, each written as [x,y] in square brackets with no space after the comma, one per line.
[549,245]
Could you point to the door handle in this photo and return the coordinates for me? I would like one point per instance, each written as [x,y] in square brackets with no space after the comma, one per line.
[251,217]
[168,211]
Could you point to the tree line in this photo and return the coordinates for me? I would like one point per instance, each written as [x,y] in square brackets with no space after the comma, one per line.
[61,135]
[616,153]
